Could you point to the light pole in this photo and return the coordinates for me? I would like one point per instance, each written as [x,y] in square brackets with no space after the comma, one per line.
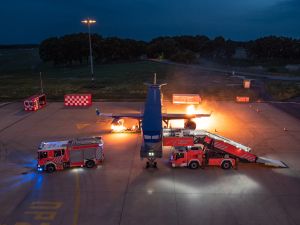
[89,22]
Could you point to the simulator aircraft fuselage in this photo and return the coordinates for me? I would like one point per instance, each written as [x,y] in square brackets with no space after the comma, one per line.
[151,123]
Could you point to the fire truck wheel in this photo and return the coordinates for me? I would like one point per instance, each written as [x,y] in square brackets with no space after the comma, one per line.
[226,165]
[194,165]
[50,168]
[90,164]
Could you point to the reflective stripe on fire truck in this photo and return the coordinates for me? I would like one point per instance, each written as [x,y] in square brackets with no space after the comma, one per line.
[58,160]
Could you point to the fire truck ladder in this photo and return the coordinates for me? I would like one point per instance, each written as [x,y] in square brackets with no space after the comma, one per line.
[238,150]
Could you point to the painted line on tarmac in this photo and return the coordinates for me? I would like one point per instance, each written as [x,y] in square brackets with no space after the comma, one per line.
[77,200]
[20,203]
[128,180]
[43,212]
[10,125]
[14,123]
[275,102]
[80,126]
[23,118]
[5,104]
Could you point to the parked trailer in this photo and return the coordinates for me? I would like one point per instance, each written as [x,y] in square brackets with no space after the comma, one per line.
[59,155]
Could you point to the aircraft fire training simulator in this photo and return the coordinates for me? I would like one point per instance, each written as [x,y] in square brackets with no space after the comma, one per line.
[154,137]
[151,123]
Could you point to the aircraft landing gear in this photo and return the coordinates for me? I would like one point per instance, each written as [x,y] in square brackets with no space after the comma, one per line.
[151,163]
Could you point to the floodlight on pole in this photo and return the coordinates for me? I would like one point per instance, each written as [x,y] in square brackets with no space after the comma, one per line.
[89,22]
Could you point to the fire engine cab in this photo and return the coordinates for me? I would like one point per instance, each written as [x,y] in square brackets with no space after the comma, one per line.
[81,152]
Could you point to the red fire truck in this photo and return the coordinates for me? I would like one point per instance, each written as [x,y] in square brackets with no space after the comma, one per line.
[208,149]
[200,156]
[80,152]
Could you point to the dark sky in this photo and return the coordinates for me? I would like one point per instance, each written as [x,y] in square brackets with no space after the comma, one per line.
[30,21]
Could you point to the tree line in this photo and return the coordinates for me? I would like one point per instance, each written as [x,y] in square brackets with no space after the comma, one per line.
[74,48]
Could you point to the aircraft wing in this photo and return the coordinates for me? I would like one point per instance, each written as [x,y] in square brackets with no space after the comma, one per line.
[167,116]
[137,116]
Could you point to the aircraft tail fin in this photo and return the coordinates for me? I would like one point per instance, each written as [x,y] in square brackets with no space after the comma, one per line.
[155,82]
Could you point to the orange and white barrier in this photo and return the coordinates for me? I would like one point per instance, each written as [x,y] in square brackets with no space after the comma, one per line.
[35,102]
[242,99]
[186,99]
[78,100]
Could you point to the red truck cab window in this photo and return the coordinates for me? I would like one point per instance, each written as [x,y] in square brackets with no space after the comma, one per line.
[179,155]
[59,152]
[43,155]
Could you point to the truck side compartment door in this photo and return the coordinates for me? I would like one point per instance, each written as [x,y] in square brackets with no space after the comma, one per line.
[76,156]
[89,153]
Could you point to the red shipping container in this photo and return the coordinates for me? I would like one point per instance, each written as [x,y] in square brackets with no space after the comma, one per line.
[178,141]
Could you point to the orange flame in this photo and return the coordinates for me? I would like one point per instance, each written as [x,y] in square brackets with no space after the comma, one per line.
[202,122]
[119,127]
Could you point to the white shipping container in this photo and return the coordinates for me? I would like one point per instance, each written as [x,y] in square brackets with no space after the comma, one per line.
[186,99]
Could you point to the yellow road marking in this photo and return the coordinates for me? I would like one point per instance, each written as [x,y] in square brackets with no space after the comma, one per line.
[45,205]
[44,215]
[77,201]
[82,125]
